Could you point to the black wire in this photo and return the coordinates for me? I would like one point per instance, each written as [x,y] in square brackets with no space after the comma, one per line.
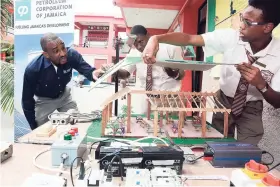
[116,155]
[120,164]
[272,157]
[71,168]
[110,154]
[274,167]
[194,160]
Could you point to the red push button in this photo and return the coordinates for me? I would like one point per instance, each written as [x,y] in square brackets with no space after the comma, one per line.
[72,132]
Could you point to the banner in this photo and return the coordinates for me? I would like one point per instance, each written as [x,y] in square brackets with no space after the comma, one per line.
[33,19]
[41,16]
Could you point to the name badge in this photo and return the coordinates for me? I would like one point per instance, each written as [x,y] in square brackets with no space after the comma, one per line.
[67,71]
[260,64]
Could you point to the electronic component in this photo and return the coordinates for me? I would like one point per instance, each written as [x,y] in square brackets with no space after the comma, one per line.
[138,177]
[163,156]
[232,154]
[188,154]
[253,175]
[6,150]
[131,158]
[165,177]
[73,145]
[118,145]
[93,178]
[59,118]
[72,116]
[143,157]
[158,176]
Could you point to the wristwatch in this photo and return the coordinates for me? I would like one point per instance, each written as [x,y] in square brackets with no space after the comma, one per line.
[264,89]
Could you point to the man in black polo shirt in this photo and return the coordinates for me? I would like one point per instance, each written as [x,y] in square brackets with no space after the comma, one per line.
[46,78]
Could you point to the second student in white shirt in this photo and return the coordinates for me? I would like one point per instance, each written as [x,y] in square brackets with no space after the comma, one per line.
[164,79]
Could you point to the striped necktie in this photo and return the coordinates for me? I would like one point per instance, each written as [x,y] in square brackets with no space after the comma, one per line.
[239,99]
[149,78]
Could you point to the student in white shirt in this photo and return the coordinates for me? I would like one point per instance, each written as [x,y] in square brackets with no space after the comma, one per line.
[263,76]
[163,78]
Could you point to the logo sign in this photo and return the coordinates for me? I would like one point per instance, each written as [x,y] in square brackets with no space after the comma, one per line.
[267,75]
[23,11]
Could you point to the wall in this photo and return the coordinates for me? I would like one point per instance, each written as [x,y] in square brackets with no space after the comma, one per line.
[188,22]
[7,127]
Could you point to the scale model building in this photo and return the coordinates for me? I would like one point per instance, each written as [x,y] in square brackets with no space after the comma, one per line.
[162,106]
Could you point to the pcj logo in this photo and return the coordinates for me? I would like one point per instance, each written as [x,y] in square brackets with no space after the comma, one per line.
[22,10]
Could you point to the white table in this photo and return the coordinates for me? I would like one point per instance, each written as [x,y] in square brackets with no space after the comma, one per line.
[19,167]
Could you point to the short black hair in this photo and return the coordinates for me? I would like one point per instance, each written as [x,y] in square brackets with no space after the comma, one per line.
[138,30]
[270,9]
[48,37]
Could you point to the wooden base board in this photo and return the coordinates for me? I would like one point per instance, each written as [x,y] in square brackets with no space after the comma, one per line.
[50,133]
[189,131]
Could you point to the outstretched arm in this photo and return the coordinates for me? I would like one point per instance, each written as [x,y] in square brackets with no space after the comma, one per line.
[179,39]
[175,38]
[81,65]
[213,43]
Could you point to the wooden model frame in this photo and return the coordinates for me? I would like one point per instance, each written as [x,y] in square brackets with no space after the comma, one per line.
[165,102]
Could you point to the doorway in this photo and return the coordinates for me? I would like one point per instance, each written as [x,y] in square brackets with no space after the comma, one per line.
[197,75]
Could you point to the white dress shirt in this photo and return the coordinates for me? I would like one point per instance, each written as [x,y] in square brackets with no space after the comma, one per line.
[227,42]
[161,81]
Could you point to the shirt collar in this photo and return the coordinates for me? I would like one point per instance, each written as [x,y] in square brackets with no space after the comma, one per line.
[47,63]
[271,49]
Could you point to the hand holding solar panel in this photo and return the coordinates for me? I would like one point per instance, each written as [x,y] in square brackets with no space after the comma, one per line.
[187,51]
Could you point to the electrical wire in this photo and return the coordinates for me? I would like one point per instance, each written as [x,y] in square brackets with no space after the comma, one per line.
[106,140]
[44,168]
[145,138]
[272,157]
[131,141]
[71,168]
[120,164]
[114,153]
[192,161]
[272,168]
[81,117]
[109,166]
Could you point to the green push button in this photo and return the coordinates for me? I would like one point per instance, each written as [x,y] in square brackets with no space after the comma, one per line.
[67,137]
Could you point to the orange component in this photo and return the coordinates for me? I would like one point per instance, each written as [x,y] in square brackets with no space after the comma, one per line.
[255,170]
[256,167]
[270,180]
[208,158]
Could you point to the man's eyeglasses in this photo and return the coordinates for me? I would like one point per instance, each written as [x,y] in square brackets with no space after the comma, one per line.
[249,23]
